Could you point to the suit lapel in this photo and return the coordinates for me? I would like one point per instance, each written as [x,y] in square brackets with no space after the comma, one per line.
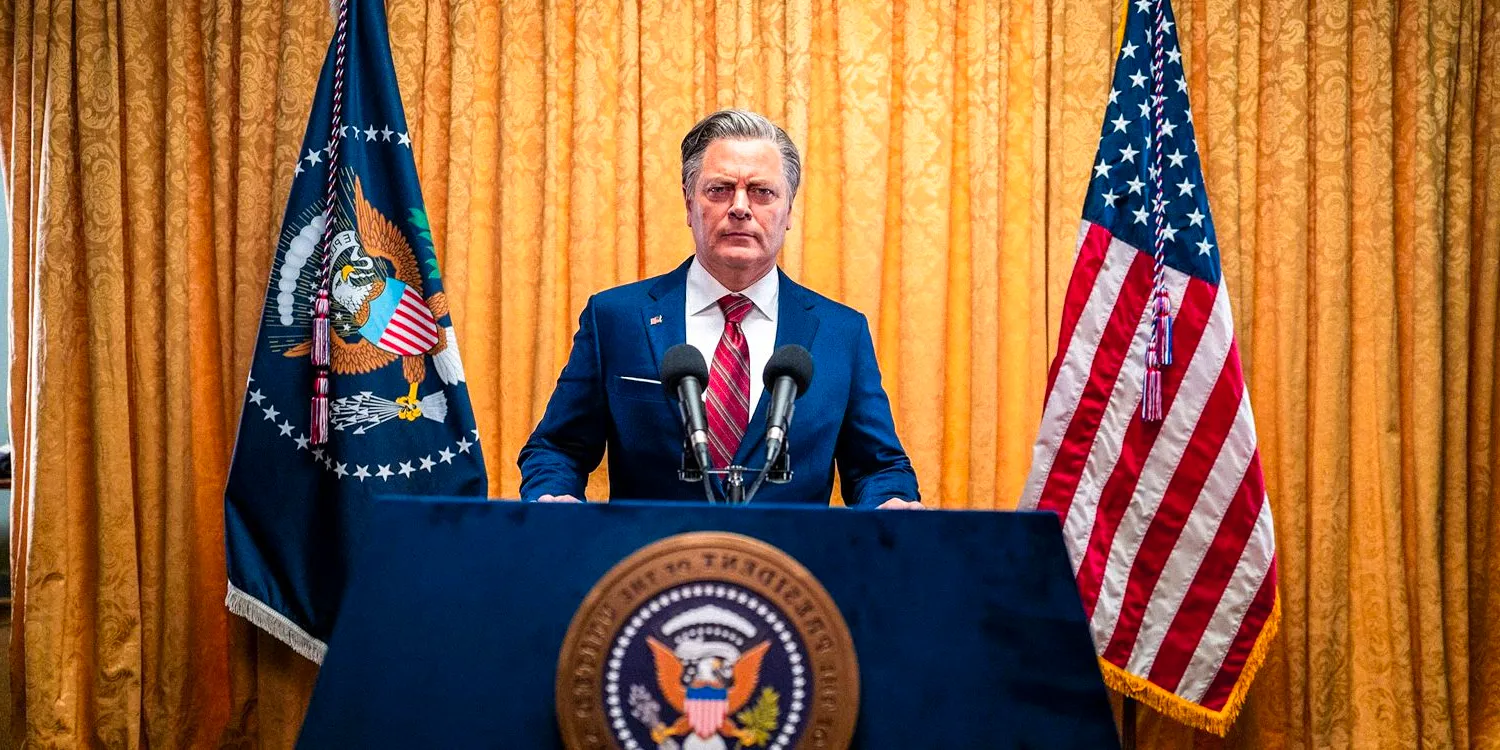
[796,323]
[664,318]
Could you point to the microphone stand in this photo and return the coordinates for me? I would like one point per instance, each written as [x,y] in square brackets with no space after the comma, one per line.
[689,472]
[734,484]
[777,472]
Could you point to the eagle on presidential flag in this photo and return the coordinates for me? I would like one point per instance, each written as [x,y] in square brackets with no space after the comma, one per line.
[378,306]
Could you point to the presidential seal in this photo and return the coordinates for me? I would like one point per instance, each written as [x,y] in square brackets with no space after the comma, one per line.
[707,641]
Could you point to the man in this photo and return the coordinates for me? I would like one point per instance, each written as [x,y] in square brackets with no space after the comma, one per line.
[740,173]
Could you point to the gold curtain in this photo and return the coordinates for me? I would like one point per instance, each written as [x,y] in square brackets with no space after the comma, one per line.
[1352,152]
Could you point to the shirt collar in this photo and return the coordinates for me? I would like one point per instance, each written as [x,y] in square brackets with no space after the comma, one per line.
[704,291]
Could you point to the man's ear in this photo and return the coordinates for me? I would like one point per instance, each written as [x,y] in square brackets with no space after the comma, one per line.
[687,204]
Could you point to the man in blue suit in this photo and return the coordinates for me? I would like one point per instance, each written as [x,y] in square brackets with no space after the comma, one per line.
[740,174]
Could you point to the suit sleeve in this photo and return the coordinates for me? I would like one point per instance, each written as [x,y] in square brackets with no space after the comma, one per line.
[873,467]
[569,442]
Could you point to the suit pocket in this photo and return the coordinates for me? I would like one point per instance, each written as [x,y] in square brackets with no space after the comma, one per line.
[636,389]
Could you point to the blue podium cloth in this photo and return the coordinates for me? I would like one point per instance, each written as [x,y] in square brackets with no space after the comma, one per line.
[967,625]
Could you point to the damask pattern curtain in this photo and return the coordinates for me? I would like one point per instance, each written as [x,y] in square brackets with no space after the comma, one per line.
[1351,156]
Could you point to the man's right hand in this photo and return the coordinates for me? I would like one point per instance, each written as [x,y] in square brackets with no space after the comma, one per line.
[557,499]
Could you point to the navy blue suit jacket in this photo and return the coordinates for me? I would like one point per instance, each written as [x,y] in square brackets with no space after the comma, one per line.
[843,418]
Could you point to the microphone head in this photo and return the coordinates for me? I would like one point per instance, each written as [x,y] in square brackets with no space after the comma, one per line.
[790,361]
[682,361]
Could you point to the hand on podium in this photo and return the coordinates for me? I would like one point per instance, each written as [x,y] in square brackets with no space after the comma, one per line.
[897,503]
[557,499]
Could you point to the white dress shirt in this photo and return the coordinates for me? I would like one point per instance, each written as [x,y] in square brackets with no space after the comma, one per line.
[705,321]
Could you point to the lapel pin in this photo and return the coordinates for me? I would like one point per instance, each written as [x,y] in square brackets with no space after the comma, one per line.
[656,320]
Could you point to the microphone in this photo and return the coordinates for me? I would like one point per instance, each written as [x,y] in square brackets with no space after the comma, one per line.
[787,375]
[684,374]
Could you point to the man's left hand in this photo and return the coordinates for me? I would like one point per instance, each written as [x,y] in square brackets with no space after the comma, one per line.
[897,503]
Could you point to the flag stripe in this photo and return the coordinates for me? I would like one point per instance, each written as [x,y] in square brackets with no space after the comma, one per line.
[1197,302]
[1057,414]
[1209,582]
[412,300]
[399,343]
[1149,550]
[421,328]
[393,339]
[1238,593]
[1225,479]
[416,316]
[1122,329]
[1093,244]
[415,302]
[396,327]
[1244,641]
[1110,429]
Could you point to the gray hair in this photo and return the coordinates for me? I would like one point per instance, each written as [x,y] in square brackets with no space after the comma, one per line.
[741,125]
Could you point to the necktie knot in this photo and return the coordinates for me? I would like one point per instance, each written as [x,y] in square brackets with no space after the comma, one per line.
[735,307]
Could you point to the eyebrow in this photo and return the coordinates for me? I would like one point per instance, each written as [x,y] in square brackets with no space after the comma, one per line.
[726,180]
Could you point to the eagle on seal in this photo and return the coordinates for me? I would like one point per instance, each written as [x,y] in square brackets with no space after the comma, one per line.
[706,682]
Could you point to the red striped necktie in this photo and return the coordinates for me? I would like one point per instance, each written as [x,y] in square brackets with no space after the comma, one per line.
[728,396]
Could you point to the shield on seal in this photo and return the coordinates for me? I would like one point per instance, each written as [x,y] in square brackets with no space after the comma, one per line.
[705,707]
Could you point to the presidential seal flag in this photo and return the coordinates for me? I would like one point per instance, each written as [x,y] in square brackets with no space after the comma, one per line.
[356,388]
[1147,449]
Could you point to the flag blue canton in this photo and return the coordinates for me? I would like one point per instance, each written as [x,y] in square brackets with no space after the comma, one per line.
[1123,179]
[400,417]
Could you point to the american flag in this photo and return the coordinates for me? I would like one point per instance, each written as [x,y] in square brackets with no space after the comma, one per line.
[1166,518]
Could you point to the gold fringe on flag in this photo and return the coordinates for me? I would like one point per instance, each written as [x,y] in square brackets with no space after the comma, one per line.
[1179,709]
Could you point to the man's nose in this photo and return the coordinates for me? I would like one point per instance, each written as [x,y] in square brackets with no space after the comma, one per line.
[740,209]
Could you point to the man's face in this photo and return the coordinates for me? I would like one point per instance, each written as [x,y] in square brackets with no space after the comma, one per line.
[739,209]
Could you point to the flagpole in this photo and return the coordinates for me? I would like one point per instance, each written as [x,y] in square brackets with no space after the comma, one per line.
[1127,724]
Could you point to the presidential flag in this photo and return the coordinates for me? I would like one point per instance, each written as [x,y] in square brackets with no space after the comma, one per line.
[357,388]
[1147,448]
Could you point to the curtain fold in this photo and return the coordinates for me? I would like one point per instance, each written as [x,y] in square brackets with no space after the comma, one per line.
[1351,149]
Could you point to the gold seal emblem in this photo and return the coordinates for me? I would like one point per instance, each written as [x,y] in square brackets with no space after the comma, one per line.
[707,641]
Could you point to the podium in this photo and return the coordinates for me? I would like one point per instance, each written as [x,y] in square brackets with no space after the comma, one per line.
[967,625]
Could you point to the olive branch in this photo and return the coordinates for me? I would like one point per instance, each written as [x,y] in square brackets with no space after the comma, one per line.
[759,721]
